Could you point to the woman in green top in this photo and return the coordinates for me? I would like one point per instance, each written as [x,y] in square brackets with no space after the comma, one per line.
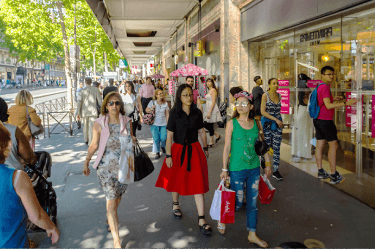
[240,137]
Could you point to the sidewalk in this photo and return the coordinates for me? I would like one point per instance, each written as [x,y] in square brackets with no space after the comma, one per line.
[303,208]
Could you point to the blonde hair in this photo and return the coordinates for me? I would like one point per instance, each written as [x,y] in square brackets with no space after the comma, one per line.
[156,93]
[24,97]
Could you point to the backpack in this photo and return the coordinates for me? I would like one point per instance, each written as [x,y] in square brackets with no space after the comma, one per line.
[314,108]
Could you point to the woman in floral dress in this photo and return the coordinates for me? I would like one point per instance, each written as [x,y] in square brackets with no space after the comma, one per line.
[115,143]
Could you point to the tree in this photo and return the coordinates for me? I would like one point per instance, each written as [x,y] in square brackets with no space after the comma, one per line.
[28,32]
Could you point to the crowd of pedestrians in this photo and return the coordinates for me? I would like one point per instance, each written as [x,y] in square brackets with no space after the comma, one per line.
[111,118]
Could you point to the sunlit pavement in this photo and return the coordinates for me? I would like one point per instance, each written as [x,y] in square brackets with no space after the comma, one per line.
[303,208]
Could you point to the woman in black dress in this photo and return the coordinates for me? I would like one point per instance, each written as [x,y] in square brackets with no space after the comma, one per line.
[184,171]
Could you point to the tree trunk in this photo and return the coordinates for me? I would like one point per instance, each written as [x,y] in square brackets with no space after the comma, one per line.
[67,56]
[105,62]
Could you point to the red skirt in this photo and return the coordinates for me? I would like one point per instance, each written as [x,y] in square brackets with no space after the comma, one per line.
[178,178]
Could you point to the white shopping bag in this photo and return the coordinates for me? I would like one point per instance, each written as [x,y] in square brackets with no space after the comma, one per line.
[216,203]
[126,169]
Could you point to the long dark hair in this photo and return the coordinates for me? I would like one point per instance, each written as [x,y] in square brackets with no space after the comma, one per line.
[3,110]
[251,113]
[213,84]
[177,107]
[131,87]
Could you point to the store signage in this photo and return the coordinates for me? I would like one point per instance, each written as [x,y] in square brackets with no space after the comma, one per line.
[285,100]
[314,36]
[313,83]
[283,82]
[373,117]
[351,111]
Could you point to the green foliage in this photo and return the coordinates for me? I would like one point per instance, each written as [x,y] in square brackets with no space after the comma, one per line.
[31,30]
[28,31]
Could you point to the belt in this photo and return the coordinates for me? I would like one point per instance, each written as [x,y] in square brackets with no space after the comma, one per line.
[189,154]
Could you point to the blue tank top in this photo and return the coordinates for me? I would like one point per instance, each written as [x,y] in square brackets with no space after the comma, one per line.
[13,218]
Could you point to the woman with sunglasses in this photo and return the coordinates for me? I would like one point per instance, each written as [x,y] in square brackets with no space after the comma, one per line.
[184,171]
[112,137]
[211,112]
[272,123]
[241,134]
[159,128]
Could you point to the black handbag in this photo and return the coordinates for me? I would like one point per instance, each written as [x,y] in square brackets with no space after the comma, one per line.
[261,146]
[142,164]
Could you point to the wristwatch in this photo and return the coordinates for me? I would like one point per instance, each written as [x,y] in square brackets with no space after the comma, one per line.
[168,156]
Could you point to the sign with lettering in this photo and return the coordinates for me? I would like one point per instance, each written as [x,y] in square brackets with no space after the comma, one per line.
[285,100]
[283,82]
[313,83]
[351,111]
[314,36]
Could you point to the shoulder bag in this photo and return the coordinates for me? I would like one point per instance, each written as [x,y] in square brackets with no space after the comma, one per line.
[261,146]
[142,163]
[34,129]
[149,118]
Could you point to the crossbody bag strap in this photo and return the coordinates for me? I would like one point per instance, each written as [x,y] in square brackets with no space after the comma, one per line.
[260,128]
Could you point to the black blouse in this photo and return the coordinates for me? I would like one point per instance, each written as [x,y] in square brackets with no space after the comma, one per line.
[185,129]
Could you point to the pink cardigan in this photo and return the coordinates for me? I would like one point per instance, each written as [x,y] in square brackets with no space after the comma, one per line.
[104,135]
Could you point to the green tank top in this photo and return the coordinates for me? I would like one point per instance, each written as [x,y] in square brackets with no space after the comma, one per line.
[243,155]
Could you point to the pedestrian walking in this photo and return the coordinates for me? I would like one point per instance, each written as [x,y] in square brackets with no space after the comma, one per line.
[111,137]
[233,91]
[19,113]
[211,112]
[18,203]
[241,134]
[272,123]
[88,108]
[20,151]
[80,88]
[132,98]
[146,92]
[325,127]
[184,171]
[159,128]
[258,93]
[110,88]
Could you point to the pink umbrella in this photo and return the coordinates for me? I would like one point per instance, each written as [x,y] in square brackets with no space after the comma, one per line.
[189,70]
[192,70]
[158,76]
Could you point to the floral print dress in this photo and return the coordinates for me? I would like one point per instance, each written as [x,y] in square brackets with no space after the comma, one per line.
[109,165]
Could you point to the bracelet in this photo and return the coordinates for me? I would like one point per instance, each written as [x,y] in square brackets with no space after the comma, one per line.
[205,148]
[268,164]
[168,156]
[224,169]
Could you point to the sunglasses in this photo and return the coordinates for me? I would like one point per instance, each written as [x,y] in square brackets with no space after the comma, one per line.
[243,103]
[114,103]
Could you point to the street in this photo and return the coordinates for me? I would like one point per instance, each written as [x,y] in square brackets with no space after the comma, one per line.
[303,207]
[9,95]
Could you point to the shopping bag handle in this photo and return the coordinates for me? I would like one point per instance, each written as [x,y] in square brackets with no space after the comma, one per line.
[221,185]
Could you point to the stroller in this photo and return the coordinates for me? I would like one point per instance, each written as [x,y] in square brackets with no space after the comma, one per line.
[44,191]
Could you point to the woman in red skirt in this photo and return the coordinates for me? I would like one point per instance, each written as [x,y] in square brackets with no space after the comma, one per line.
[184,171]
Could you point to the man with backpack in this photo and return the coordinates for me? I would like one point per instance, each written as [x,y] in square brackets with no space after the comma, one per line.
[321,109]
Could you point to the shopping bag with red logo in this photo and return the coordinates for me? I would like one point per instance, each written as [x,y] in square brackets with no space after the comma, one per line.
[223,204]
[266,190]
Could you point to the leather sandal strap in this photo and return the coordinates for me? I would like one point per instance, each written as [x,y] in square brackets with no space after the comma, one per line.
[201,217]
[176,203]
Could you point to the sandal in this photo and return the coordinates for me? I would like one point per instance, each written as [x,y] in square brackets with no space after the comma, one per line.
[261,243]
[217,139]
[221,228]
[31,243]
[108,227]
[204,230]
[177,212]
[210,145]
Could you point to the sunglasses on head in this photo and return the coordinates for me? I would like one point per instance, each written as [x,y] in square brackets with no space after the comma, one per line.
[114,103]
[243,103]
